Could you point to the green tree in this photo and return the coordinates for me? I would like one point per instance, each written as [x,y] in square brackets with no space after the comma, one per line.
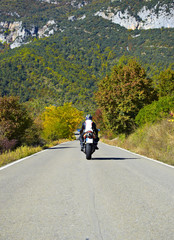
[14,120]
[122,94]
[166,83]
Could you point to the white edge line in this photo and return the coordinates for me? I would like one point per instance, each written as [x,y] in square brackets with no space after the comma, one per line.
[25,158]
[151,159]
[20,160]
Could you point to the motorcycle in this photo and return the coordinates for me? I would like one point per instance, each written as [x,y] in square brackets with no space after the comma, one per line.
[89,144]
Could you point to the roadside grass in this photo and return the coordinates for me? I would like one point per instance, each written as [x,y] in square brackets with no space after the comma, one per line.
[25,151]
[154,141]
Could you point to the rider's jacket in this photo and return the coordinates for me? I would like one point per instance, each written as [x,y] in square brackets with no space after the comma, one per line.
[89,125]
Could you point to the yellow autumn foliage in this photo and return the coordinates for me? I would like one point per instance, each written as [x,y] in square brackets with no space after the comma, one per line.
[60,122]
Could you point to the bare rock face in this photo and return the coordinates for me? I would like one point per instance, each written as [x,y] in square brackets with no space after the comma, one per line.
[77,4]
[49,1]
[74,3]
[148,18]
[16,35]
[13,33]
[48,29]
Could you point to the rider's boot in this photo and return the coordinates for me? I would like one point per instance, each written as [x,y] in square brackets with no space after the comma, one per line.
[96,148]
[82,147]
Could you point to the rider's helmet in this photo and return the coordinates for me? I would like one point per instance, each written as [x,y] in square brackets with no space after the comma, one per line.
[88,117]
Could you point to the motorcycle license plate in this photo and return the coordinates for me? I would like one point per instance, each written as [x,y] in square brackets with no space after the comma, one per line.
[89,140]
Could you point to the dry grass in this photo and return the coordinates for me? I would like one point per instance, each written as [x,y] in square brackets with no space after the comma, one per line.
[20,152]
[154,141]
[24,151]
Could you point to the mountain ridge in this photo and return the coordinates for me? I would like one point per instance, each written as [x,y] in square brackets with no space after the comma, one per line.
[53,57]
[23,28]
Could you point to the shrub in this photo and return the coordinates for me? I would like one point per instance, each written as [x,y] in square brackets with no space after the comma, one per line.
[155,111]
[32,136]
[6,145]
[166,83]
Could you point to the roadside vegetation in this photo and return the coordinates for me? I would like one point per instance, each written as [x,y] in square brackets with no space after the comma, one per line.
[22,134]
[24,151]
[137,113]
[20,152]
[134,111]
[152,140]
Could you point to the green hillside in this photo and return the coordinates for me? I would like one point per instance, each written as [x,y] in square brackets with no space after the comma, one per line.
[67,66]
[40,71]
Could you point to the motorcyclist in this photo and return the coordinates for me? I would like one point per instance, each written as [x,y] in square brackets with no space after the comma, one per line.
[88,125]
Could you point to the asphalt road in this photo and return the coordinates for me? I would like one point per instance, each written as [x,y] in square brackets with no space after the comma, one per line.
[59,195]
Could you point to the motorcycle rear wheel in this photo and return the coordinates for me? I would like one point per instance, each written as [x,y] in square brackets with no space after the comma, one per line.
[88,151]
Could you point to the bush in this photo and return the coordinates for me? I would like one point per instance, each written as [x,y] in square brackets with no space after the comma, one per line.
[6,145]
[32,136]
[166,83]
[155,111]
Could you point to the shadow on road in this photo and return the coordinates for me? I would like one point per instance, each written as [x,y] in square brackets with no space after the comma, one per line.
[111,159]
[53,148]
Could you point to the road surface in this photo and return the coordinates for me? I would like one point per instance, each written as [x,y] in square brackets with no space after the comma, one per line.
[59,195]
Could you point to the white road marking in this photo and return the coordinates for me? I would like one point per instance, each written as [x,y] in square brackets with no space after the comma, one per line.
[20,160]
[151,159]
[23,159]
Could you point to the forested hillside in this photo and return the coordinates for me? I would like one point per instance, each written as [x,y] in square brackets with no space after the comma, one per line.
[80,48]
[40,71]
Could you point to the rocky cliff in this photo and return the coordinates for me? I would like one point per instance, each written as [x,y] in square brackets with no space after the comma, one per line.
[15,33]
[144,19]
